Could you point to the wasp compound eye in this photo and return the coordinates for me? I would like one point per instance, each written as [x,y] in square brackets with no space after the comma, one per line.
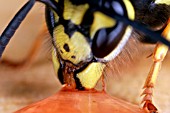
[108,41]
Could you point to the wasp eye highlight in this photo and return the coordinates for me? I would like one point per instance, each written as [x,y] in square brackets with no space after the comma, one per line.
[117,7]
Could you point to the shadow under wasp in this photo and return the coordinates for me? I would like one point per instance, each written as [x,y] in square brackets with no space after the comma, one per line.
[86,35]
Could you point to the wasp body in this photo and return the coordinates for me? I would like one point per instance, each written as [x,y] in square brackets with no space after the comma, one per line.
[87,34]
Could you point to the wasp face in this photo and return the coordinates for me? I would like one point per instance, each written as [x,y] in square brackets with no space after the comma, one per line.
[85,38]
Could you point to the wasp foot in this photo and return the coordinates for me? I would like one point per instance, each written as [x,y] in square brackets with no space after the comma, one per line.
[148,106]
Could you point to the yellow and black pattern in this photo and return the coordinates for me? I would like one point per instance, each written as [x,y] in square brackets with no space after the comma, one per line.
[86,34]
[85,39]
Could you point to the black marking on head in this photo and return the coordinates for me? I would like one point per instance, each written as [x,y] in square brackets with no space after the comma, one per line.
[60,74]
[61,51]
[87,22]
[78,83]
[69,27]
[73,57]
[66,47]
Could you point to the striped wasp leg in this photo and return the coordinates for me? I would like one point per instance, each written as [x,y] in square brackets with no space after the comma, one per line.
[158,56]
[14,24]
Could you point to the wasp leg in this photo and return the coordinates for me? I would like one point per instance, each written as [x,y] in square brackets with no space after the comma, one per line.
[26,62]
[158,56]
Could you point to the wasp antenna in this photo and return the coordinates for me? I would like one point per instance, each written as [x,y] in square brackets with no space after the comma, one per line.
[14,24]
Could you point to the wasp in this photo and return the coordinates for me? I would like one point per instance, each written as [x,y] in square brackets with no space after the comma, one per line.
[87,34]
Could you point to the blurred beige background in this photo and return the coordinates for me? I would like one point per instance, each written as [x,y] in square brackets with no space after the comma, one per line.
[22,87]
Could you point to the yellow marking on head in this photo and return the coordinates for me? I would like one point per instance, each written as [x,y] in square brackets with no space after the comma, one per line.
[56,0]
[167,2]
[90,76]
[56,17]
[55,60]
[130,9]
[73,12]
[101,21]
[78,45]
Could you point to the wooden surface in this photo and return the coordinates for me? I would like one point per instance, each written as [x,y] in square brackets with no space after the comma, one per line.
[81,102]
